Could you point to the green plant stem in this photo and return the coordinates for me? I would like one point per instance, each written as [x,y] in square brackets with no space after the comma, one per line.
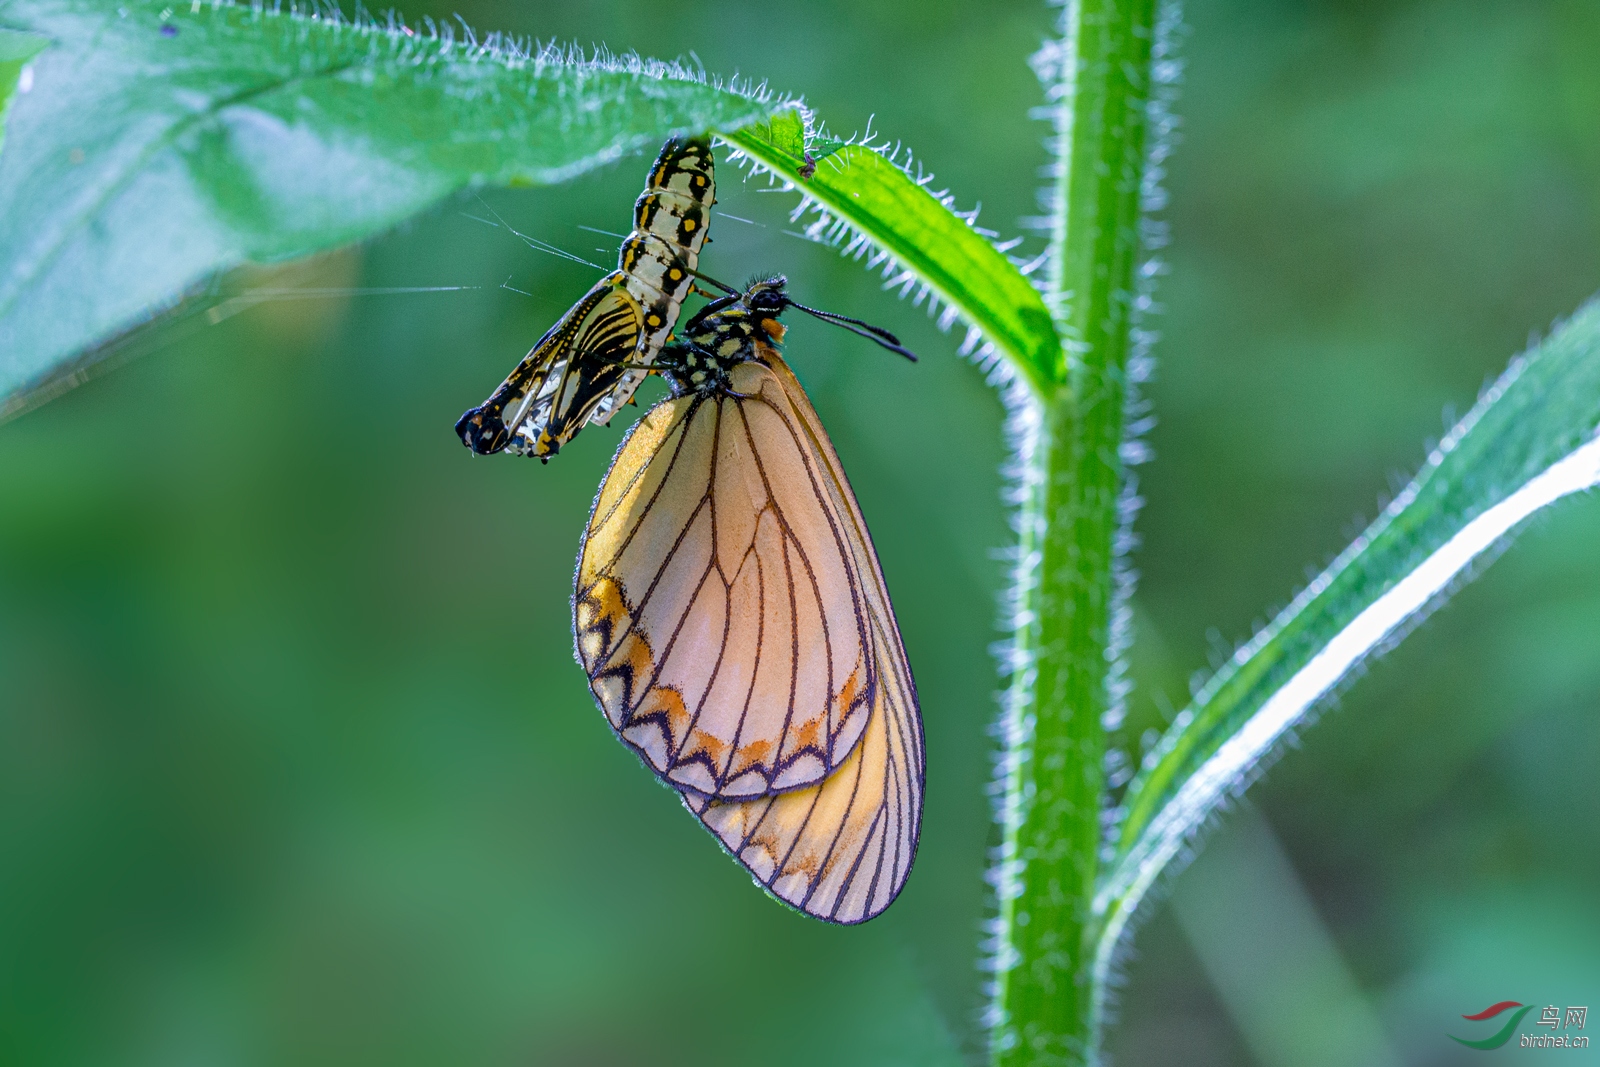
[1072,471]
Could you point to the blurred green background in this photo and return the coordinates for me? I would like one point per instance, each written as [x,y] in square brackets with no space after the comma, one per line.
[297,768]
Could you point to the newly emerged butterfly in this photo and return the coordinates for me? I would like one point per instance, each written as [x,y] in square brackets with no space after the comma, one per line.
[732,618]
[589,363]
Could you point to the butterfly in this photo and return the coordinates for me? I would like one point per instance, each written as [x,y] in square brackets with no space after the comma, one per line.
[588,364]
[732,618]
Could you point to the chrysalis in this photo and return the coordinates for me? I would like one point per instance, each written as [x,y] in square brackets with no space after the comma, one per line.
[589,363]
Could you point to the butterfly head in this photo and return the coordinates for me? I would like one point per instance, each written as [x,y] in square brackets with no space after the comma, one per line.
[732,329]
[766,299]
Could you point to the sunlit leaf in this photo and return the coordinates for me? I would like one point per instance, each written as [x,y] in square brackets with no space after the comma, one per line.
[886,206]
[1528,442]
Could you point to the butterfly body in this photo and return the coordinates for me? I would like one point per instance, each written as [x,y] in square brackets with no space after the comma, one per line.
[588,364]
[728,332]
[732,618]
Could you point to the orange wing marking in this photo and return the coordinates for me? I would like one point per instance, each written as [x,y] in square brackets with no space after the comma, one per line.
[774,700]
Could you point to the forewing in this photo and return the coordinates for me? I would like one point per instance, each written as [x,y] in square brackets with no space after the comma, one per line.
[720,609]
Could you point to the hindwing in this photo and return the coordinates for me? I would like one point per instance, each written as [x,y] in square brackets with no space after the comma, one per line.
[840,850]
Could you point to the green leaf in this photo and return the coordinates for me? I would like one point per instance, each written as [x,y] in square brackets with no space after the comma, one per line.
[879,200]
[163,143]
[1528,442]
[785,132]
[823,147]
[15,51]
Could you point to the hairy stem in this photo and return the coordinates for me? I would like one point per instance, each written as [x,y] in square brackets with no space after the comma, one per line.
[1098,76]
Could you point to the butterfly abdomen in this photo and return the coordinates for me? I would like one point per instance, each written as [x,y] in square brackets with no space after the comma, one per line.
[723,335]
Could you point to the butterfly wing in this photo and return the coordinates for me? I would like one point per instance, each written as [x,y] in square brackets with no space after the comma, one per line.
[727,569]
[840,850]
[720,608]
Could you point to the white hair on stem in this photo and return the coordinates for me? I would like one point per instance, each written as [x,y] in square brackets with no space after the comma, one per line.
[1018,716]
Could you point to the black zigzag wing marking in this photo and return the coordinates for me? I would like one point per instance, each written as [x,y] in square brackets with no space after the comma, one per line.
[841,850]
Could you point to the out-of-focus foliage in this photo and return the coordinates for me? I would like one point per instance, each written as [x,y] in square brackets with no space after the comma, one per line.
[1370,210]
[16,48]
[295,762]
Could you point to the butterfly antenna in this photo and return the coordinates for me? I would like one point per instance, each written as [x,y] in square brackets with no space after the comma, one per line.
[724,286]
[864,329]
